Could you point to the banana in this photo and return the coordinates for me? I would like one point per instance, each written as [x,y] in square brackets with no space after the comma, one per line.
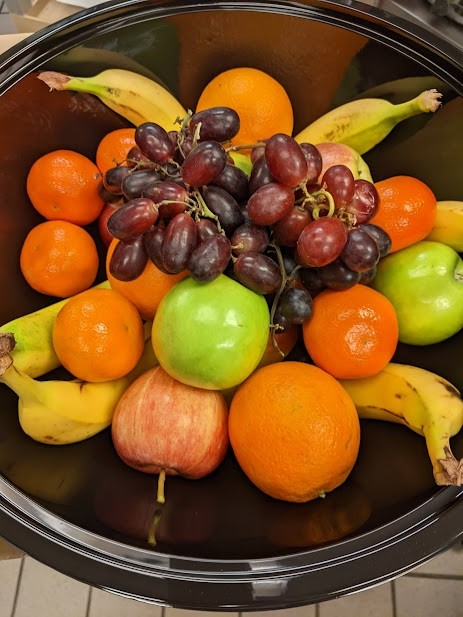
[363,123]
[33,353]
[62,412]
[421,400]
[134,97]
[448,225]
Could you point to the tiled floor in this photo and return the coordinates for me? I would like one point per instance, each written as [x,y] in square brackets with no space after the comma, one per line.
[30,589]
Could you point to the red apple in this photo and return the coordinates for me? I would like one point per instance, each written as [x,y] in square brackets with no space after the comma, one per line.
[341,154]
[285,340]
[105,236]
[163,426]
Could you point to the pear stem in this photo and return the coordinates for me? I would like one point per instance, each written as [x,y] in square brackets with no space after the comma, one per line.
[161,498]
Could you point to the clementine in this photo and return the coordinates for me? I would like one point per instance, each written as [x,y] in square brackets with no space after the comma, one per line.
[113,148]
[261,102]
[352,333]
[146,291]
[64,185]
[98,335]
[59,259]
[294,431]
[407,210]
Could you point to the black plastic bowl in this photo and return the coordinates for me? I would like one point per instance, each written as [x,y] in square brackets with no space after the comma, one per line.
[224,545]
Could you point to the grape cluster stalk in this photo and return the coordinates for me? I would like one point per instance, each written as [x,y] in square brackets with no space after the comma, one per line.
[285,231]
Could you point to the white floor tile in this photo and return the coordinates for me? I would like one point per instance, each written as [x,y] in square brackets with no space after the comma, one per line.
[301,611]
[104,604]
[374,602]
[450,563]
[426,597]
[43,592]
[9,572]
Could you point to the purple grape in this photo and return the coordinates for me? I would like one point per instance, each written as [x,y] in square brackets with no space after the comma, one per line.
[337,275]
[314,162]
[217,124]
[203,163]
[210,258]
[134,183]
[178,243]
[270,203]
[381,237]
[135,157]
[128,260]
[205,228]
[339,181]
[310,278]
[233,180]
[321,242]
[368,276]
[114,178]
[224,207]
[286,160]
[361,252]
[260,175]
[257,272]
[249,237]
[154,142]
[153,245]
[287,230]
[132,219]
[295,305]
[167,191]
[364,202]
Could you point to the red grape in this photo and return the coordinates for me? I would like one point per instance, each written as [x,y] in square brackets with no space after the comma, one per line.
[321,242]
[286,160]
[287,230]
[134,183]
[257,272]
[203,163]
[128,259]
[210,258]
[270,203]
[260,175]
[249,237]
[154,142]
[364,202]
[178,243]
[339,181]
[314,162]
[361,252]
[132,219]
[217,124]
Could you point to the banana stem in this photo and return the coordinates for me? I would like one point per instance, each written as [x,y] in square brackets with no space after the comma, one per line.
[60,81]
[427,101]
[447,470]
[161,498]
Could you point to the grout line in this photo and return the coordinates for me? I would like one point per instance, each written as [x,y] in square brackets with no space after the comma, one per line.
[317,610]
[163,611]
[18,585]
[438,577]
[89,601]
[394,599]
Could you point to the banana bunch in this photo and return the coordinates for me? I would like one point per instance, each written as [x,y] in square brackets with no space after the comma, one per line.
[448,225]
[421,400]
[363,123]
[61,412]
[33,353]
[134,97]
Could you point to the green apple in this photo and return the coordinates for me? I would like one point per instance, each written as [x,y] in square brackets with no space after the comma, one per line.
[424,282]
[210,335]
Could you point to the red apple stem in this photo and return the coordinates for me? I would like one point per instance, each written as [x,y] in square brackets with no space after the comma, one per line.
[153,526]
[161,498]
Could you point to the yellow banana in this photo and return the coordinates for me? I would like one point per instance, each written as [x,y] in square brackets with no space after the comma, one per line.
[421,400]
[133,96]
[61,412]
[363,123]
[448,224]
[33,353]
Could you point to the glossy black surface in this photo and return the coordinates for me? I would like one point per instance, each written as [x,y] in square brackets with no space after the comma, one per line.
[222,544]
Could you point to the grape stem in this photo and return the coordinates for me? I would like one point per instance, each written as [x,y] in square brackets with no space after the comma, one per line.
[244,147]
[276,299]
[204,210]
[316,199]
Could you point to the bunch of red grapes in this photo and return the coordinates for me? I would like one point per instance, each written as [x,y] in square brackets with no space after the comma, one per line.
[283,231]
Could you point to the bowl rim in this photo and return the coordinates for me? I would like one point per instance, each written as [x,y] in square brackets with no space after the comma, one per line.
[249,584]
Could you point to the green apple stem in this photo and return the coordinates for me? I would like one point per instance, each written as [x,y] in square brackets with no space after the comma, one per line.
[153,527]
[161,498]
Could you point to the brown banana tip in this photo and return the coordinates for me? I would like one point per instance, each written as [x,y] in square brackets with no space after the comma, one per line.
[54,80]
[430,100]
[7,343]
[451,473]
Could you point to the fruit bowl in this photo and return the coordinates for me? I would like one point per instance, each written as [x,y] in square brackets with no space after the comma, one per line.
[223,544]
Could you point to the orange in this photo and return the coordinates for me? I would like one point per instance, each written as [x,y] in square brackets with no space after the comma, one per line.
[294,431]
[59,259]
[351,333]
[146,291]
[63,185]
[407,210]
[113,148]
[98,335]
[261,102]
